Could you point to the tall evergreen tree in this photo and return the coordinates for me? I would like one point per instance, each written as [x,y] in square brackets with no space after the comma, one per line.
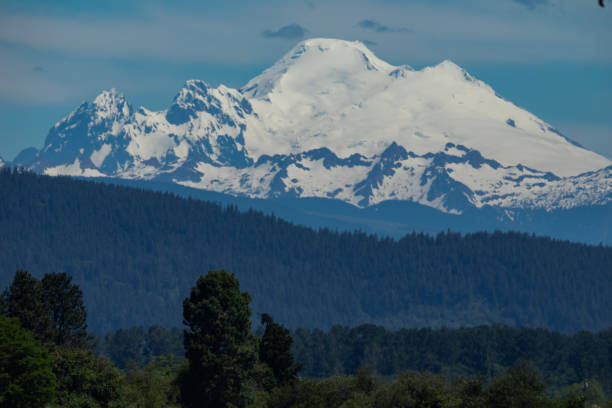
[218,342]
[275,351]
[67,310]
[52,308]
[24,300]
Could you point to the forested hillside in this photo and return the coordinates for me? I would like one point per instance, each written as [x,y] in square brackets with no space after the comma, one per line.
[135,254]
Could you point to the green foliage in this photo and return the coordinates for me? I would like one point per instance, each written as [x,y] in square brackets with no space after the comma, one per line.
[409,390]
[153,386]
[26,377]
[262,377]
[483,351]
[471,392]
[161,341]
[520,386]
[137,253]
[52,309]
[366,380]
[517,387]
[275,352]
[137,346]
[576,401]
[85,381]
[513,278]
[417,390]
[218,342]
[126,347]
[332,392]
[589,392]
[64,301]
[24,300]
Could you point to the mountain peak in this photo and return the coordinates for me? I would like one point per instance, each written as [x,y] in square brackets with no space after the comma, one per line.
[328,45]
[448,67]
[194,89]
[406,127]
[193,97]
[195,85]
[111,104]
[338,94]
[319,60]
[448,64]
[109,97]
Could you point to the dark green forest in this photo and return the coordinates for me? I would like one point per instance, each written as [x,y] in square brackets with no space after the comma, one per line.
[136,253]
[484,352]
[47,359]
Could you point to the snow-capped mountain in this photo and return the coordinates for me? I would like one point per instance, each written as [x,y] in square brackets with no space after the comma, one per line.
[332,120]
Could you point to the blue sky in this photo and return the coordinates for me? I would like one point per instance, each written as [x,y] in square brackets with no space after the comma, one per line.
[552,57]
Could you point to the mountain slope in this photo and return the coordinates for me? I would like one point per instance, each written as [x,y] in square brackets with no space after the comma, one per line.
[331,120]
[136,253]
[337,94]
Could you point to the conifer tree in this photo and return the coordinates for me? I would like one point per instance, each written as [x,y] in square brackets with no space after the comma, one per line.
[52,308]
[23,300]
[275,351]
[219,345]
[67,310]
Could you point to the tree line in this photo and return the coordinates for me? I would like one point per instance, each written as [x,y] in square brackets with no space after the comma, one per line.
[136,254]
[46,359]
[225,364]
[484,351]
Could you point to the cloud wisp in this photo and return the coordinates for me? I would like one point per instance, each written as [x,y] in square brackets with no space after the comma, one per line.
[532,4]
[289,32]
[373,25]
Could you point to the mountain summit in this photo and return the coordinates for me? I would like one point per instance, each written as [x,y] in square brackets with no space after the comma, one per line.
[339,95]
[318,64]
[332,120]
